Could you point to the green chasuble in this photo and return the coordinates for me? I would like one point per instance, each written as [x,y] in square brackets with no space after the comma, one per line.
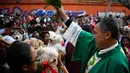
[113,61]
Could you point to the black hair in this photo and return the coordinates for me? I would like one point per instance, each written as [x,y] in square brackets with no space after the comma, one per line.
[110,24]
[9,24]
[18,54]
[98,20]
[2,56]
[37,37]
[41,21]
[33,22]
[16,18]
[42,34]
[38,29]
[45,29]
[87,28]
[122,39]
[1,23]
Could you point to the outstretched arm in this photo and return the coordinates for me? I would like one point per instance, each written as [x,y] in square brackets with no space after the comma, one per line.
[73,30]
[62,14]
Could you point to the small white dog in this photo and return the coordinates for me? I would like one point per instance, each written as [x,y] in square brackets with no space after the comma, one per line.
[48,59]
[17,36]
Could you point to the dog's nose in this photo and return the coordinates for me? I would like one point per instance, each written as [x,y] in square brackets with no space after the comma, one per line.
[16,38]
[54,60]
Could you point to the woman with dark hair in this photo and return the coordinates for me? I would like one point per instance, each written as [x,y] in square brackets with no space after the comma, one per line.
[21,58]
[125,43]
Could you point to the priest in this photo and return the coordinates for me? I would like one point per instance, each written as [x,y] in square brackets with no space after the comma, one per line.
[99,52]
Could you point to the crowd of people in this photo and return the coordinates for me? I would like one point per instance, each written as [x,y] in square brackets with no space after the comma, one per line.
[33,43]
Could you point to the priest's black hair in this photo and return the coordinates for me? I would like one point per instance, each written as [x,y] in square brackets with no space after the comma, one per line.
[109,24]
